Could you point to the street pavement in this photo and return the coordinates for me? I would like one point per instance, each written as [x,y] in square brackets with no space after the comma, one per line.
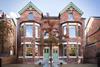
[33,65]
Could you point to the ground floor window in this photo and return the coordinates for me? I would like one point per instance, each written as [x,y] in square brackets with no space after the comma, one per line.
[72,50]
[28,50]
[64,51]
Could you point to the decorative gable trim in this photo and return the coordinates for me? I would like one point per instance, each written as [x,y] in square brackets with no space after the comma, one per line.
[30,4]
[72,5]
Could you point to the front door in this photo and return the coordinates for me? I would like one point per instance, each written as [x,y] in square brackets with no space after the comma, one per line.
[46,53]
[55,54]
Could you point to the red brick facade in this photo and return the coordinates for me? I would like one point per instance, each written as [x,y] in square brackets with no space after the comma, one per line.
[56,24]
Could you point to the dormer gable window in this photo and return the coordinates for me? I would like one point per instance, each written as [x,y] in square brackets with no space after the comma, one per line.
[70,17]
[30,16]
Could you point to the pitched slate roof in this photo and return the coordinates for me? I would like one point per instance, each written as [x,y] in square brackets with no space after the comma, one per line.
[72,5]
[30,4]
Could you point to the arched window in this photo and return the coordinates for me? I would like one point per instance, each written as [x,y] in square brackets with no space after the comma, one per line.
[70,17]
[30,16]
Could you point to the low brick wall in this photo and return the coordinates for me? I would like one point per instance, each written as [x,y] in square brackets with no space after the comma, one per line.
[20,65]
[90,54]
[8,60]
[79,65]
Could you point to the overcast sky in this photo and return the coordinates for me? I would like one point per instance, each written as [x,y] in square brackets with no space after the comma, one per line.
[53,7]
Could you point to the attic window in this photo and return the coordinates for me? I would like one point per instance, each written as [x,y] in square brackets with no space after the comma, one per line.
[30,16]
[70,17]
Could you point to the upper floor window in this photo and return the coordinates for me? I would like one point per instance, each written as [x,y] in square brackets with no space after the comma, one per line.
[22,30]
[36,31]
[37,26]
[46,34]
[79,32]
[70,17]
[29,30]
[64,30]
[64,27]
[30,16]
[72,31]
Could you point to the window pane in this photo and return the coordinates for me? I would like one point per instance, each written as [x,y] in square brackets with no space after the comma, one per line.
[70,17]
[36,31]
[46,35]
[64,29]
[29,31]
[64,50]
[30,16]
[22,30]
[72,50]
[79,31]
[72,31]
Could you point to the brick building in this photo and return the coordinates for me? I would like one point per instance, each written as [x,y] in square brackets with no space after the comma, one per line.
[58,36]
[92,40]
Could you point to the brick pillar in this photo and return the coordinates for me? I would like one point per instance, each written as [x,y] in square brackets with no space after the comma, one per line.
[77,40]
[42,43]
[33,42]
[18,39]
[67,40]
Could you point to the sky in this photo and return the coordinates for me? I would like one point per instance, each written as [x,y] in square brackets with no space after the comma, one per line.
[53,7]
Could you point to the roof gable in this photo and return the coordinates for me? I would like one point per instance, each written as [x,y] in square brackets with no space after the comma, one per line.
[73,6]
[30,4]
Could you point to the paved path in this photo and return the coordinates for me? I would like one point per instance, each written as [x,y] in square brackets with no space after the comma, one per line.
[66,65]
[79,65]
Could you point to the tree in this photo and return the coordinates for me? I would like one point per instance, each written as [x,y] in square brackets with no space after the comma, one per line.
[5,29]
